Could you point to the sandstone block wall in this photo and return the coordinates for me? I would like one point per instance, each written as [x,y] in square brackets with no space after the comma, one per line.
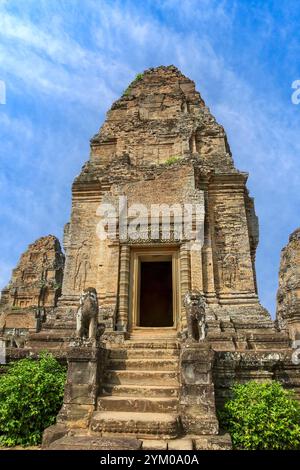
[35,285]
[288,295]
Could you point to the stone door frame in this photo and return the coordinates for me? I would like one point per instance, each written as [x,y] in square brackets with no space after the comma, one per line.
[152,254]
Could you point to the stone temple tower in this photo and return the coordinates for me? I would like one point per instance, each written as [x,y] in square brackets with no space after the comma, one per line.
[160,156]
[160,144]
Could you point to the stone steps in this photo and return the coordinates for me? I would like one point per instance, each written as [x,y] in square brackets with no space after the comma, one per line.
[139,396]
[139,425]
[143,377]
[144,353]
[162,339]
[61,324]
[139,390]
[143,364]
[145,344]
[155,333]
[40,346]
[48,337]
[94,442]
[138,403]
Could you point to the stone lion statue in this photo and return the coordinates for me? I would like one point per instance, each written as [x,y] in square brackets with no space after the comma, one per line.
[195,305]
[87,314]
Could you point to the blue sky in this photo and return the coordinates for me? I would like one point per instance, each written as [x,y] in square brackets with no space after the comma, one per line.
[65,61]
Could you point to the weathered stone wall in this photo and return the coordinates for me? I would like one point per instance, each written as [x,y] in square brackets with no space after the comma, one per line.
[242,366]
[82,253]
[34,287]
[288,295]
[233,268]
[161,115]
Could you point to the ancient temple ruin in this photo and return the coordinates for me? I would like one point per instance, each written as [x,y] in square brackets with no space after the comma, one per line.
[288,295]
[33,290]
[144,378]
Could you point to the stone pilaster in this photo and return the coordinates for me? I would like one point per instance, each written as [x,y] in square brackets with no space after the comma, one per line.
[185,277]
[233,256]
[122,317]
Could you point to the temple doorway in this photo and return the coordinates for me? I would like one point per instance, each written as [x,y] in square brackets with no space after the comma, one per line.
[156,298]
[154,295]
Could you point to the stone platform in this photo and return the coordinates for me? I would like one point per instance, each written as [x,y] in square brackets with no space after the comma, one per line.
[91,442]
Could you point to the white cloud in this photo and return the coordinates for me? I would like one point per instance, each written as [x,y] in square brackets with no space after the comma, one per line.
[45,57]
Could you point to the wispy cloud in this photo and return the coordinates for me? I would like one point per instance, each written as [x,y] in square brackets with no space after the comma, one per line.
[65,62]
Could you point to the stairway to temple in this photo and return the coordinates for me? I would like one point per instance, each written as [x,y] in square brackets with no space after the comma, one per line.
[58,329]
[139,394]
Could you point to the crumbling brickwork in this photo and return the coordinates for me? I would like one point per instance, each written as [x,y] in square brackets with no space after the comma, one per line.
[288,295]
[34,287]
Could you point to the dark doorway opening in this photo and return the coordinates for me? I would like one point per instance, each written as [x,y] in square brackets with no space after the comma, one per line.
[156,300]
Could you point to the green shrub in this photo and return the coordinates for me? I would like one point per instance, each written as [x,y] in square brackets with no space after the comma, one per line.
[138,77]
[31,393]
[126,92]
[171,160]
[262,416]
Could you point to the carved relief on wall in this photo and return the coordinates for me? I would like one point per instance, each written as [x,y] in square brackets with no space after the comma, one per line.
[45,267]
[82,266]
[229,270]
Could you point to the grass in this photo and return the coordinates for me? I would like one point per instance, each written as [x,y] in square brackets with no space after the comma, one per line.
[138,77]
[172,160]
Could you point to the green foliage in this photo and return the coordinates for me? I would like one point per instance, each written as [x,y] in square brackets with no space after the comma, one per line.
[126,92]
[262,416]
[31,394]
[138,77]
[172,160]
[56,285]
